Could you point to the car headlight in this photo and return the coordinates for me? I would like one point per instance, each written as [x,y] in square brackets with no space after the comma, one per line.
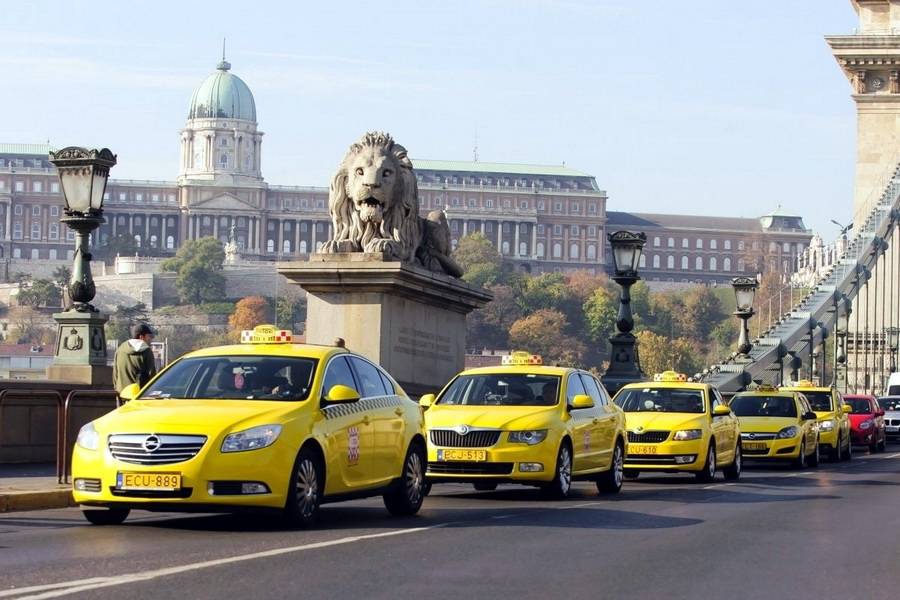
[789,432]
[866,425]
[530,437]
[827,424]
[688,434]
[251,439]
[88,438]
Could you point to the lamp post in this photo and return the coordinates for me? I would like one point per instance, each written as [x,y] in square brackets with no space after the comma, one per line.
[841,329]
[624,364]
[81,342]
[893,339]
[744,294]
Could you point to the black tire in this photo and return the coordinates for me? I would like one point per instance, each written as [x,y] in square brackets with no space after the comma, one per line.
[632,473]
[709,467]
[800,462]
[848,453]
[484,486]
[733,471]
[610,482]
[426,489]
[559,488]
[814,458]
[305,492]
[882,444]
[834,454]
[106,516]
[406,496]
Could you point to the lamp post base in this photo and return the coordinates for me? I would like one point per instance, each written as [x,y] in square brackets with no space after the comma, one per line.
[624,366]
[80,349]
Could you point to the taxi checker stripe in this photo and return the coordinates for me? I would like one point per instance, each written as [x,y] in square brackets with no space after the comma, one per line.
[343,410]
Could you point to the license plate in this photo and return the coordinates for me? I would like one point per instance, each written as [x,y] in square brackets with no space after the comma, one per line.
[148,481]
[467,455]
[755,446]
[641,449]
[892,429]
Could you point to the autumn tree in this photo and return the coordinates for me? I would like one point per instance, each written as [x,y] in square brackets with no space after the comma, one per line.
[658,353]
[600,312]
[123,318]
[198,265]
[542,332]
[248,313]
[489,326]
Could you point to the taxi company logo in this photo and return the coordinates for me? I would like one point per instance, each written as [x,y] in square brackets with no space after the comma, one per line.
[151,444]
[461,429]
[638,429]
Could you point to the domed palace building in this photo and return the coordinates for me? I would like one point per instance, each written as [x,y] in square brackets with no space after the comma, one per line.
[540,217]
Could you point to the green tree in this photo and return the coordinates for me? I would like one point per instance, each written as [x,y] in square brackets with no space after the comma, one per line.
[41,292]
[121,244]
[61,276]
[27,328]
[121,320]
[488,327]
[702,311]
[658,353]
[542,332]
[600,312]
[481,263]
[198,264]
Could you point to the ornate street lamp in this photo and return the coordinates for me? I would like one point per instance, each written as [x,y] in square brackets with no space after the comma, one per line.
[892,334]
[81,341]
[624,365]
[744,294]
[841,328]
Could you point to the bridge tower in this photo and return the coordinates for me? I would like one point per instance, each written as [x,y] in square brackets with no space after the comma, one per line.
[870,58]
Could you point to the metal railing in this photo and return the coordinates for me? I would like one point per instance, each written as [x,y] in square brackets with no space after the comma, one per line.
[54,395]
[64,449]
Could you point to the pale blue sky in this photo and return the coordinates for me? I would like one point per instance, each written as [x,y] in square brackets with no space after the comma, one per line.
[698,106]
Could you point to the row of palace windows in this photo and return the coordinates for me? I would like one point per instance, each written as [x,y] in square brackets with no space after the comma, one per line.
[153,197]
[35,254]
[714,244]
[35,233]
[37,185]
[575,207]
[712,264]
[286,246]
[507,227]
[36,210]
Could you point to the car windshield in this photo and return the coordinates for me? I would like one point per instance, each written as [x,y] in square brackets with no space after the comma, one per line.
[820,401]
[235,378]
[891,403]
[671,400]
[502,389]
[859,406]
[764,406]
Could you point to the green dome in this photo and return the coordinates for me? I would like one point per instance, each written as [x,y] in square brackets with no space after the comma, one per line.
[223,96]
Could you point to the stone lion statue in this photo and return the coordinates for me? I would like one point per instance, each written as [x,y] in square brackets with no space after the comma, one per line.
[374,206]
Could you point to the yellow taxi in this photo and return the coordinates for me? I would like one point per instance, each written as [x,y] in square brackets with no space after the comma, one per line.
[677,425]
[264,425]
[833,415]
[777,425]
[523,422]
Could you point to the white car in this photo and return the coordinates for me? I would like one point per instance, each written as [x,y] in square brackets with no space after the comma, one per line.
[891,407]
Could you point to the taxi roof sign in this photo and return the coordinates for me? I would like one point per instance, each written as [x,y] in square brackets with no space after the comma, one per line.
[521,359]
[266,334]
[670,376]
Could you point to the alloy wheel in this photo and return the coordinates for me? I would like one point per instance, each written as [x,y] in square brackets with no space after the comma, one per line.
[307,486]
[565,470]
[415,478]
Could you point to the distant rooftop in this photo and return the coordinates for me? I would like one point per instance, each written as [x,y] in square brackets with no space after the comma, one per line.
[768,223]
[464,166]
[35,149]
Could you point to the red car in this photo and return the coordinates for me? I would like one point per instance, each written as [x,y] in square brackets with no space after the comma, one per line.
[866,421]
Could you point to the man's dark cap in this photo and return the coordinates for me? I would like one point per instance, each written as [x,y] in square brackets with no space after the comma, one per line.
[141,329]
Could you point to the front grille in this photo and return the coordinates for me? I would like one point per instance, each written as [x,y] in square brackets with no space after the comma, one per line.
[648,437]
[650,459]
[476,438]
[180,493]
[892,422]
[133,448]
[470,468]
[748,452]
[752,437]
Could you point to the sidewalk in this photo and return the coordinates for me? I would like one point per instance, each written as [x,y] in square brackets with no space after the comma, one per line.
[32,487]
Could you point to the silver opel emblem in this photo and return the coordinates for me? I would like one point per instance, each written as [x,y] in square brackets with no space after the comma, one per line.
[752,436]
[461,429]
[152,443]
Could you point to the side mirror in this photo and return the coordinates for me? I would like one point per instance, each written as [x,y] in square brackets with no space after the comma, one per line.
[426,401]
[581,401]
[721,410]
[130,392]
[879,412]
[809,416]
[342,393]
[847,409]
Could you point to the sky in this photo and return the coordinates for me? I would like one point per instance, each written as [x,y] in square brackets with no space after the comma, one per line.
[693,107]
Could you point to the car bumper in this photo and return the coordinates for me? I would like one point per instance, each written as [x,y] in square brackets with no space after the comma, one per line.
[502,463]
[892,431]
[208,480]
[863,438]
[771,449]
[828,438]
[667,456]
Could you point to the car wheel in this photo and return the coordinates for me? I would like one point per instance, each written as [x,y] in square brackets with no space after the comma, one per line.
[632,473]
[882,444]
[559,488]
[835,453]
[873,447]
[814,457]
[800,461]
[426,488]
[106,516]
[610,482]
[733,471]
[848,453]
[406,497]
[709,467]
[484,486]
[305,492]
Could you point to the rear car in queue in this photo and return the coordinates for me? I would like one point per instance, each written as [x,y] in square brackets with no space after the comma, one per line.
[866,422]
[777,425]
[526,423]
[833,418]
[891,407]
[679,426]
[262,425]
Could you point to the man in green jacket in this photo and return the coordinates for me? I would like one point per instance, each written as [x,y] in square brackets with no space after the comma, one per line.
[134,362]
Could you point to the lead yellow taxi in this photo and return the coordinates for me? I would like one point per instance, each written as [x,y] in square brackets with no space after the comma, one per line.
[777,425]
[526,423]
[265,424]
[833,417]
[676,425]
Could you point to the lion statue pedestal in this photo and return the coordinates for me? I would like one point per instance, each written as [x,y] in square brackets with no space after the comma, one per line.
[408,319]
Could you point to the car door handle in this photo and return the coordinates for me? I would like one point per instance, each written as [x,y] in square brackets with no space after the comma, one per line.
[365,419]
[398,411]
